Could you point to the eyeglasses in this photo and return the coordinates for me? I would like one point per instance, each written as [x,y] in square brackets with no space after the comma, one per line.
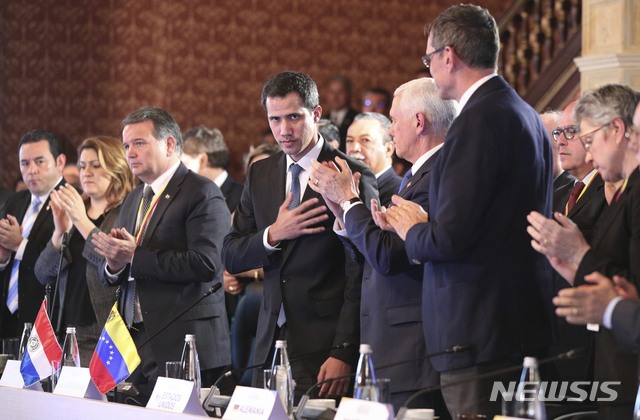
[426,59]
[586,142]
[569,132]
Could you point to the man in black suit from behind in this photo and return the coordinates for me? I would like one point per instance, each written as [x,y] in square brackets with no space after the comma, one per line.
[483,287]
[311,293]
[41,165]
[165,255]
[368,141]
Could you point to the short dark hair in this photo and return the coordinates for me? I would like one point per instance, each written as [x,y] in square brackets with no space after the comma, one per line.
[164,125]
[34,136]
[202,139]
[287,82]
[472,33]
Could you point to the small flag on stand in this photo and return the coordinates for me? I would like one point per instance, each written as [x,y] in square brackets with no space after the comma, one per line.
[115,356]
[42,348]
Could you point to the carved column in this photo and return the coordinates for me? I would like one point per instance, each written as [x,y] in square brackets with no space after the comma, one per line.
[610,43]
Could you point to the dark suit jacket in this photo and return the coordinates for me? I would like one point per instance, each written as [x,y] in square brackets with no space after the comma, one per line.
[483,283]
[232,191]
[562,186]
[30,291]
[177,262]
[312,275]
[388,184]
[625,324]
[614,250]
[391,308]
[585,213]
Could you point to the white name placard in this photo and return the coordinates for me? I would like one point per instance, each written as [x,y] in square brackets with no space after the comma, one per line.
[255,404]
[351,409]
[76,382]
[175,396]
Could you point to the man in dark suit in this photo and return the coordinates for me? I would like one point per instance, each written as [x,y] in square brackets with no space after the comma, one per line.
[311,292]
[483,285]
[368,141]
[166,253]
[583,202]
[604,116]
[26,225]
[339,111]
[206,153]
[562,180]
[391,306]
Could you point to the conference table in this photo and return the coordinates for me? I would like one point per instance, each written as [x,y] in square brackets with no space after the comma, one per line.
[16,404]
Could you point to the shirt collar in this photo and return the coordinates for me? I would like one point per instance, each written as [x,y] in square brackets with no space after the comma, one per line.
[221,178]
[162,181]
[471,90]
[422,159]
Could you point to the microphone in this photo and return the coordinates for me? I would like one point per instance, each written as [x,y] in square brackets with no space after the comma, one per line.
[209,292]
[305,397]
[222,401]
[51,304]
[560,356]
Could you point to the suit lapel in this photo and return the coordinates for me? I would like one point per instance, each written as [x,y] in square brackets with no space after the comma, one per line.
[613,213]
[326,154]
[164,200]
[592,189]
[424,169]
[43,215]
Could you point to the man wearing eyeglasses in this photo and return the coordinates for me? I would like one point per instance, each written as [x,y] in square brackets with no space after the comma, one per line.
[607,134]
[482,284]
[586,198]
[584,203]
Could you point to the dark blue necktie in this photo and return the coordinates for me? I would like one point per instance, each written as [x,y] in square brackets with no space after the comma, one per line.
[295,170]
[405,181]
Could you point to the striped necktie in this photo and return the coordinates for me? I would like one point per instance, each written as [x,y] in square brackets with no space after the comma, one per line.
[27,223]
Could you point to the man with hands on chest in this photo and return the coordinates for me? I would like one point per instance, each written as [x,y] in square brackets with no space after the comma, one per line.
[311,294]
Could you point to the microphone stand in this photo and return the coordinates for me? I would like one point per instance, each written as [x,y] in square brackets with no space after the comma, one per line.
[50,304]
[209,292]
[561,356]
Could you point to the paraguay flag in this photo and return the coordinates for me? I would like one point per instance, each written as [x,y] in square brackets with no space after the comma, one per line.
[41,349]
[115,356]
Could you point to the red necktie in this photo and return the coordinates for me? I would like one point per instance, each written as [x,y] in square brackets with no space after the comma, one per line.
[575,193]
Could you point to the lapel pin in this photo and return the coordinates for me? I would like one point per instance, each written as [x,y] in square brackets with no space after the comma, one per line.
[167,197]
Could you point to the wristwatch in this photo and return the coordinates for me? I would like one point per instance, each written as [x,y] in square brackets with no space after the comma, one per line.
[346,204]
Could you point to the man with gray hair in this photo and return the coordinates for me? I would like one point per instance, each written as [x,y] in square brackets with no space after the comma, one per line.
[391,306]
[368,141]
[165,252]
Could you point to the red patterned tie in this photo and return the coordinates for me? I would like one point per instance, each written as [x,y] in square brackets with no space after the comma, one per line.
[575,193]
